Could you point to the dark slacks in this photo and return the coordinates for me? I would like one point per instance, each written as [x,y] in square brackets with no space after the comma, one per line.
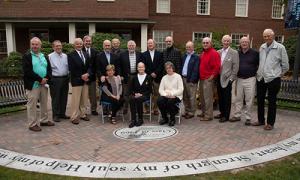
[136,106]
[59,88]
[272,88]
[224,98]
[168,105]
[115,105]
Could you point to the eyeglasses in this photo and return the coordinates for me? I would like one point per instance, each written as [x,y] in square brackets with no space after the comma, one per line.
[205,42]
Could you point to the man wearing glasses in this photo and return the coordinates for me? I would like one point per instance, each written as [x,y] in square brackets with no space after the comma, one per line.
[209,68]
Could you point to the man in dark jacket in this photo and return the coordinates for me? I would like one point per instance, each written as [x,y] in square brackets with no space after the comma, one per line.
[172,54]
[190,77]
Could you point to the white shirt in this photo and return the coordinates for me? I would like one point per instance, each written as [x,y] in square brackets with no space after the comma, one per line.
[59,64]
[141,78]
[224,53]
[152,54]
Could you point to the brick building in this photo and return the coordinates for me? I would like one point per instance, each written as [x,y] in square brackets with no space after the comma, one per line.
[136,19]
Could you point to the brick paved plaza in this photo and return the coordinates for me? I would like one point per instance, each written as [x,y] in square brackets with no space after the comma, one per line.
[94,141]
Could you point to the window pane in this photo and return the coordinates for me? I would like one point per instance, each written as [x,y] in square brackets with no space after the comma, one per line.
[277,9]
[159,37]
[163,6]
[203,7]
[3,48]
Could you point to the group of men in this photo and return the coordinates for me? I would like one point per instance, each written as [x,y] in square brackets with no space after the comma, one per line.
[234,73]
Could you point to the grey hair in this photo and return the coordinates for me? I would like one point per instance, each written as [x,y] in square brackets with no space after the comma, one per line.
[169,63]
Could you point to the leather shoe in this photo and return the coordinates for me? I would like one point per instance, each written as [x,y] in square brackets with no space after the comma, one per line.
[56,119]
[139,123]
[235,119]
[171,123]
[162,122]
[85,118]
[155,112]
[132,124]
[35,128]
[49,123]
[95,113]
[75,121]
[219,116]
[200,115]
[256,124]
[222,120]
[206,119]
[268,127]
[189,116]
[64,117]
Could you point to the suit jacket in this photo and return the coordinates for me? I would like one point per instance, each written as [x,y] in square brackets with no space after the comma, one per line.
[30,76]
[145,89]
[156,66]
[229,67]
[193,68]
[92,57]
[102,62]
[125,64]
[174,55]
[77,68]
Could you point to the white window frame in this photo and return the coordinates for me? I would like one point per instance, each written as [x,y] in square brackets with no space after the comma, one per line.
[282,10]
[158,10]
[105,0]
[4,41]
[201,32]
[208,8]
[237,5]
[279,36]
[161,43]
[240,36]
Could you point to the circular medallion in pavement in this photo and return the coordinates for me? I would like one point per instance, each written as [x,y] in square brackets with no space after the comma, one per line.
[145,133]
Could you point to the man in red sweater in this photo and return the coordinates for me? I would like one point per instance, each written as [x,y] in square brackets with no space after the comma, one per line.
[210,62]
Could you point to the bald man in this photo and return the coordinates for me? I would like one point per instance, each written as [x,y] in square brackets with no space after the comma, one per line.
[273,63]
[190,77]
[244,88]
[228,73]
[80,71]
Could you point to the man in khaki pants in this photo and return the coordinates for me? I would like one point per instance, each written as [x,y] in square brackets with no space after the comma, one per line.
[37,72]
[79,67]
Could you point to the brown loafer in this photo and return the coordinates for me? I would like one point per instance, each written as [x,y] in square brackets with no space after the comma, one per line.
[206,119]
[268,127]
[49,123]
[85,118]
[200,115]
[189,116]
[219,116]
[234,119]
[256,124]
[75,121]
[35,128]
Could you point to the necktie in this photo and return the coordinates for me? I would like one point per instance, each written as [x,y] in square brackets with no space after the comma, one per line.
[82,57]
[88,52]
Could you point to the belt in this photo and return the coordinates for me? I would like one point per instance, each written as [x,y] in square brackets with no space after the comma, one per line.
[60,76]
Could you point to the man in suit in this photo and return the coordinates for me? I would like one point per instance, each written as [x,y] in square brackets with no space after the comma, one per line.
[190,77]
[128,69]
[228,74]
[80,70]
[154,67]
[140,90]
[92,54]
[37,72]
[172,54]
[116,47]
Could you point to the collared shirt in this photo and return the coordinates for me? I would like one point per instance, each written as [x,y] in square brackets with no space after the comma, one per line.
[186,64]
[39,66]
[81,55]
[224,53]
[107,54]
[152,54]
[248,63]
[141,78]
[273,61]
[132,61]
[59,64]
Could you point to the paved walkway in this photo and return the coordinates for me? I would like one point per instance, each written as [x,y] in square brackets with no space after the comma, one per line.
[94,141]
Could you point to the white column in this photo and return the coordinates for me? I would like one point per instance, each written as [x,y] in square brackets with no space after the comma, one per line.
[10,38]
[72,32]
[92,28]
[144,36]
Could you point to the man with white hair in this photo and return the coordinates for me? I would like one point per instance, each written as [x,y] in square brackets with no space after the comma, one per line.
[37,72]
[128,69]
[228,74]
[80,71]
[273,63]
[244,88]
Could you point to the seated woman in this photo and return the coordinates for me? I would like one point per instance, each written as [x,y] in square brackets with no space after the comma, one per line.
[112,91]
[140,90]
[171,91]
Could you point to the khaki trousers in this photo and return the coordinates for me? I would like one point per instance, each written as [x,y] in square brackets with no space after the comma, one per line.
[207,97]
[189,97]
[79,101]
[243,88]
[33,96]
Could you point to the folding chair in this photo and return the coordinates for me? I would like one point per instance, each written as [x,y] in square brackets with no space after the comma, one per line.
[108,106]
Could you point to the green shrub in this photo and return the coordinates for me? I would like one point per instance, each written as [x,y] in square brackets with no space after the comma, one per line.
[47,48]
[98,39]
[291,45]
[12,65]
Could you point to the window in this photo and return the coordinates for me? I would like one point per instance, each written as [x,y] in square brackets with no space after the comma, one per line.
[43,34]
[203,7]
[277,9]
[241,8]
[159,37]
[105,0]
[279,38]
[163,6]
[3,45]
[237,36]
[198,36]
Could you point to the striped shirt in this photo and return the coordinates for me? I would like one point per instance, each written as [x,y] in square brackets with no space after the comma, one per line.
[132,61]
